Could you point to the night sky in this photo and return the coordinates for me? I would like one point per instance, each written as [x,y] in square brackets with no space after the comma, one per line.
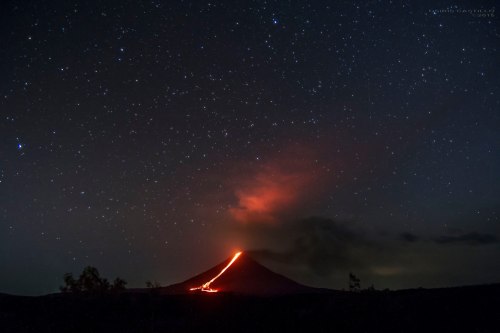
[153,139]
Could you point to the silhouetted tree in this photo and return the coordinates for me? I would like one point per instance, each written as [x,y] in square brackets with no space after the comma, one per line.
[354,282]
[70,284]
[118,284]
[153,284]
[370,289]
[90,281]
[154,287]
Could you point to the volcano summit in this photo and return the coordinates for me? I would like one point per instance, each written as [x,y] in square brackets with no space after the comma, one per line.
[239,274]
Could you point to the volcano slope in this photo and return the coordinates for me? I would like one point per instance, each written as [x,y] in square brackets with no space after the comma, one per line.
[244,276]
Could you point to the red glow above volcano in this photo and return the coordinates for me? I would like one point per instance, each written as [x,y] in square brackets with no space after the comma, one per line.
[268,193]
[262,200]
[206,286]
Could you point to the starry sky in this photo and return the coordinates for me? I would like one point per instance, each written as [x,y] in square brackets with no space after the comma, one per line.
[152,139]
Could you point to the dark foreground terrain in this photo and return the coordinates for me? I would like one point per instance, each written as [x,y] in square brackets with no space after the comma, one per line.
[466,309]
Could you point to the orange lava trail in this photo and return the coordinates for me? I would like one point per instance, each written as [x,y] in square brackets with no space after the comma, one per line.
[206,286]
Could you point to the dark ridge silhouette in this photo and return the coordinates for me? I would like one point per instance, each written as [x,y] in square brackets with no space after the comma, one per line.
[446,310]
[246,277]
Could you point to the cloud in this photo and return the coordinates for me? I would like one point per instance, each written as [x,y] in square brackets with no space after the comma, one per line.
[267,194]
[471,238]
[322,245]
[274,189]
[409,237]
[323,248]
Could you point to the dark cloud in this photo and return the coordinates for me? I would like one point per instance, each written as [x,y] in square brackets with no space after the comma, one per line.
[471,238]
[320,251]
[321,244]
[409,237]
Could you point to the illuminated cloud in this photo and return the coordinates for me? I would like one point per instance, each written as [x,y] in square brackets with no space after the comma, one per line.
[276,188]
[269,194]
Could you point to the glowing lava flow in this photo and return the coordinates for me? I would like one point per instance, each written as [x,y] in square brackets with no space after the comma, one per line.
[206,286]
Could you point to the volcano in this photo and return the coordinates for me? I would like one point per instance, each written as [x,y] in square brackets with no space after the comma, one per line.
[239,274]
